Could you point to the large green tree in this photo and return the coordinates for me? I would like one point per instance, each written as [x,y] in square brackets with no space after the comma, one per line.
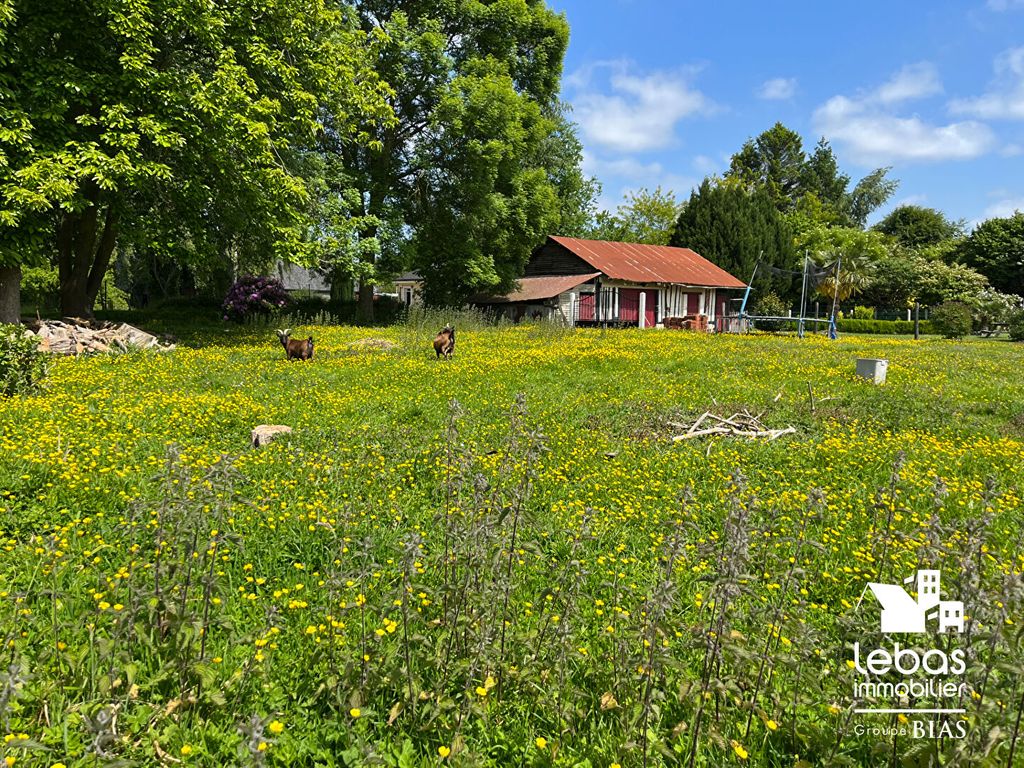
[737,227]
[461,186]
[561,156]
[643,217]
[868,195]
[915,226]
[996,249]
[481,210]
[776,161]
[19,245]
[820,176]
[172,119]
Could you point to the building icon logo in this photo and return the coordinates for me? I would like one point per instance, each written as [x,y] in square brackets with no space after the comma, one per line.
[901,613]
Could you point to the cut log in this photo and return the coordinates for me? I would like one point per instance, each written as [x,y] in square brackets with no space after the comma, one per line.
[74,338]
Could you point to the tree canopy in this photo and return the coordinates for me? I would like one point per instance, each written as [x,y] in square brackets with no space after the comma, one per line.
[643,217]
[735,228]
[915,226]
[776,161]
[170,120]
[996,249]
[467,180]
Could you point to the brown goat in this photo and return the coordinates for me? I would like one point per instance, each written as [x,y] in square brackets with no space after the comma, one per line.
[296,349]
[444,342]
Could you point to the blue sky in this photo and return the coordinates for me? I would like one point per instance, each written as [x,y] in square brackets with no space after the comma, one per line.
[665,92]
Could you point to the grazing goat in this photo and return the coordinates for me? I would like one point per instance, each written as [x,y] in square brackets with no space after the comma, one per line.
[444,342]
[296,349]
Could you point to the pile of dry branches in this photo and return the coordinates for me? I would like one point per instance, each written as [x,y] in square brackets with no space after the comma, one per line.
[741,424]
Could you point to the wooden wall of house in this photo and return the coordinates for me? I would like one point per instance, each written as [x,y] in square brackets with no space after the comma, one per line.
[673,302]
[554,259]
[672,299]
[565,306]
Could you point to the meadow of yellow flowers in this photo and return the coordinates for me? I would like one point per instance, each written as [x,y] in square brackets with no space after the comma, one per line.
[503,559]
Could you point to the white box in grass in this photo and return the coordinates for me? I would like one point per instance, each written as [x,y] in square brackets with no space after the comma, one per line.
[872,368]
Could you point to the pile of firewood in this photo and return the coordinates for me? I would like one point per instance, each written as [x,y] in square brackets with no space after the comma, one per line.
[76,338]
[741,424]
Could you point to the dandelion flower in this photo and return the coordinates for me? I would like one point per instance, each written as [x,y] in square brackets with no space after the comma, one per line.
[276,727]
[541,742]
[355,712]
[741,753]
[444,751]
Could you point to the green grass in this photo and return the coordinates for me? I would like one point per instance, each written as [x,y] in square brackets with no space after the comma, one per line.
[372,560]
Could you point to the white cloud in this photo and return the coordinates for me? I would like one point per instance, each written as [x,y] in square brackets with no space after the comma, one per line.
[706,165]
[777,89]
[628,175]
[1003,208]
[914,81]
[631,112]
[1005,205]
[1004,5]
[622,167]
[1005,100]
[920,199]
[874,133]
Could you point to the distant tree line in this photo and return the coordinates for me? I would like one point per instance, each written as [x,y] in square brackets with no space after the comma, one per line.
[777,205]
[164,148]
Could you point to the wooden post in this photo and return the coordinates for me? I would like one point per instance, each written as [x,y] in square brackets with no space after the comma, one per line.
[917,320]
[642,309]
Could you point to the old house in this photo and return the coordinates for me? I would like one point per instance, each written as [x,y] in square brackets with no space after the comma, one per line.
[409,288]
[303,281]
[594,282]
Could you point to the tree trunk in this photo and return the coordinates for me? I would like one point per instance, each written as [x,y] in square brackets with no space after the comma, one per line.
[373,207]
[188,282]
[364,311]
[10,294]
[83,256]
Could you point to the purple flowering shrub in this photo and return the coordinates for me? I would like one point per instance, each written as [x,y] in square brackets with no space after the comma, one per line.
[255,296]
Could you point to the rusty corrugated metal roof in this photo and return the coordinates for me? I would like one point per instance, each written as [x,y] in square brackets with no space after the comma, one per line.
[638,263]
[537,288]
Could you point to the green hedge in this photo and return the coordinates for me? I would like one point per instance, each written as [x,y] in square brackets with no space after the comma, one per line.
[882,326]
[849,325]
